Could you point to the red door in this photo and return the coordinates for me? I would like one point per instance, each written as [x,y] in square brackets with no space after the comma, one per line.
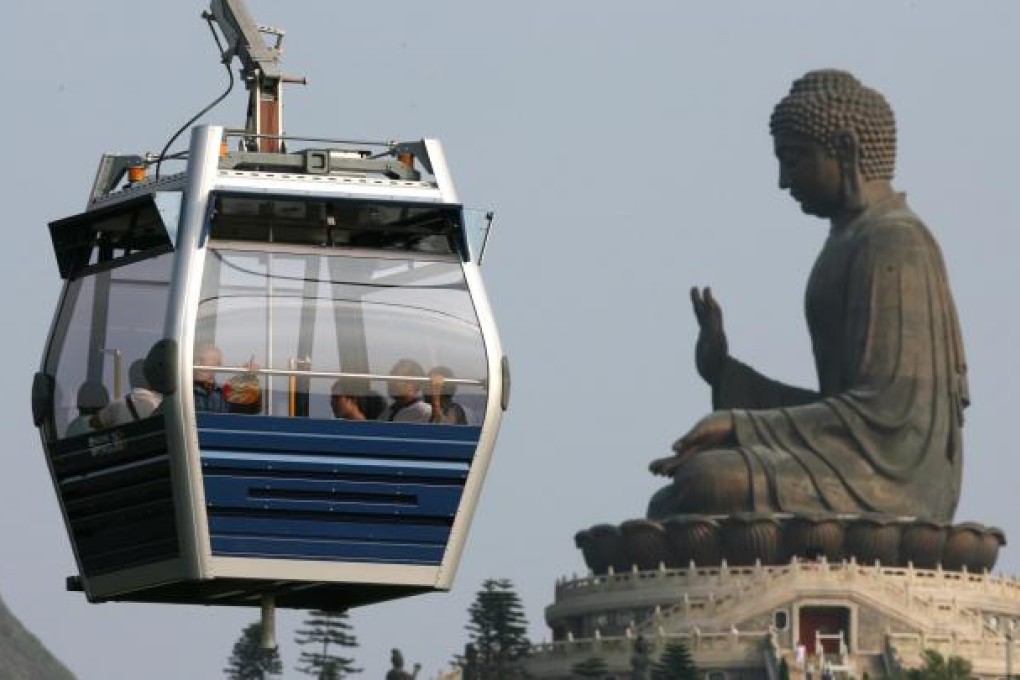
[824,620]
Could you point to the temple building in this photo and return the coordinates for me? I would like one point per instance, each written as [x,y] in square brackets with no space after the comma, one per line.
[740,622]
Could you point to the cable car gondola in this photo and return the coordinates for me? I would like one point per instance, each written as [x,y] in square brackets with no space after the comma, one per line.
[210,393]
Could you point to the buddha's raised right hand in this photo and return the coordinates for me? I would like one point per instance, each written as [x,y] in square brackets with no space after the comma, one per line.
[711,350]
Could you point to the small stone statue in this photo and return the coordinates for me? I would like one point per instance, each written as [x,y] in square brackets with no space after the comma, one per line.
[398,672]
[883,431]
[640,660]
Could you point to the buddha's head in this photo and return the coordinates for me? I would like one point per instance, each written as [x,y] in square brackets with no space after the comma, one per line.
[832,135]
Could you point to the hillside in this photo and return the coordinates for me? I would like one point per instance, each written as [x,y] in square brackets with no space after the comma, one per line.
[22,656]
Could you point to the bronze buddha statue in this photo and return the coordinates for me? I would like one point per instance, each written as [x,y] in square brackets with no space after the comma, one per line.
[883,431]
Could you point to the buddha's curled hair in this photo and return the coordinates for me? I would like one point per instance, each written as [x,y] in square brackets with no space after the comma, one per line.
[823,103]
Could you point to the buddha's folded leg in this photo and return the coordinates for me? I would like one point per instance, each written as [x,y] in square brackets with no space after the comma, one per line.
[755,478]
[716,482]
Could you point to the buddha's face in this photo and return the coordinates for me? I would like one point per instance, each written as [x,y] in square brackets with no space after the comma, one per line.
[812,174]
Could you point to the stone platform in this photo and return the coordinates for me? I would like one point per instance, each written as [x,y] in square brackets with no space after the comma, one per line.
[768,538]
[740,622]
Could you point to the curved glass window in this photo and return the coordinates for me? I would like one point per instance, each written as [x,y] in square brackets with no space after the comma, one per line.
[108,321]
[117,262]
[330,333]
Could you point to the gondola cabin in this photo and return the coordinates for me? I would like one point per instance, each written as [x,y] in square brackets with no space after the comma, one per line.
[274,373]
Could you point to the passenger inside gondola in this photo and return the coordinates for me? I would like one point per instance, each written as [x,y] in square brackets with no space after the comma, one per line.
[208,395]
[407,405]
[241,394]
[440,397]
[139,403]
[352,400]
[92,397]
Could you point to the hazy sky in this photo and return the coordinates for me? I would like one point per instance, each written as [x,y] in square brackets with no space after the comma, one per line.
[625,149]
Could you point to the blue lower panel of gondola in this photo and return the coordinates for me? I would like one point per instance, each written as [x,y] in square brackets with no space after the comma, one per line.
[294,488]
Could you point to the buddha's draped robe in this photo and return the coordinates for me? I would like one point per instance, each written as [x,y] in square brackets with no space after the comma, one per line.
[883,433]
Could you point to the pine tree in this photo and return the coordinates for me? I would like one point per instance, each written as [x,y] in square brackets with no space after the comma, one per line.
[938,667]
[593,667]
[330,671]
[468,662]
[248,661]
[498,630]
[324,630]
[675,664]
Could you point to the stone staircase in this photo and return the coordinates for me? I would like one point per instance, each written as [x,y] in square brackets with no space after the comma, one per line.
[740,593]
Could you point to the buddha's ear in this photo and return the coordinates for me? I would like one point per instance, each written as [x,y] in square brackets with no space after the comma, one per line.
[847,144]
[848,152]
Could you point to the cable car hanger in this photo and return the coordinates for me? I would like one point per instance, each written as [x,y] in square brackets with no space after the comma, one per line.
[262,144]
